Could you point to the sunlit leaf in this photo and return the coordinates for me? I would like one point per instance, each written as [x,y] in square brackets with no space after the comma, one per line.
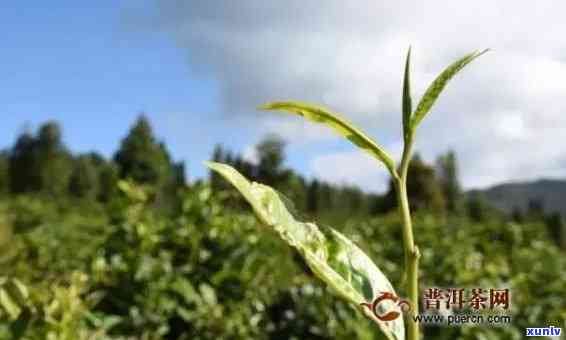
[9,305]
[334,259]
[340,125]
[17,290]
[207,294]
[133,192]
[407,101]
[185,288]
[434,90]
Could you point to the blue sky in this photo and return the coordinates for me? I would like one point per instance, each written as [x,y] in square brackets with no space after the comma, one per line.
[198,69]
[85,67]
[92,68]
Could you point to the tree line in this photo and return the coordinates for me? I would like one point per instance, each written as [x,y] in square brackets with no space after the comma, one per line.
[434,188]
[40,163]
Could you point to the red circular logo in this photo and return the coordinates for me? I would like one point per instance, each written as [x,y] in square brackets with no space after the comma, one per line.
[390,315]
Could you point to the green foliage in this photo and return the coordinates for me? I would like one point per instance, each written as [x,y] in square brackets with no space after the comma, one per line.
[4,172]
[141,157]
[126,268]
[399,176]
[557,229]
[54,165]
[41,164]
[271,157]
[172,278]
[57,311]
[312,196]
[448,177]
[23,165]
[422,186]
[459,252]
[477,207]
[84,182]
[407,105]
[312,199]
[204,273]
[107,179]
[13,294]
[329,254]
[6,233]
[435,89]
[338,124]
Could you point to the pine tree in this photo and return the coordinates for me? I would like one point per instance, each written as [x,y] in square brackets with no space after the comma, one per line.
[423,187]
[179,174]
[296,189]
[108,175]
[448,176]
[327,197]
[84,181]
[4,172]
[313,197]
[141,158]
[54,160]
[271,155]
[216,182]
[249,170]
[228,158]
[23,165]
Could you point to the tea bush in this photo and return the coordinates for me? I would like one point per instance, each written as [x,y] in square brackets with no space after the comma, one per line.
[211,272]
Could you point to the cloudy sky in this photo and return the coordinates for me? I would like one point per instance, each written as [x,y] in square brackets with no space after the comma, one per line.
[199,68]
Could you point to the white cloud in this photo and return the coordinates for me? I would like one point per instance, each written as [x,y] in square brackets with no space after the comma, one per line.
[351,168]
[296,130]
[504,115]
[250,154]
[510,125]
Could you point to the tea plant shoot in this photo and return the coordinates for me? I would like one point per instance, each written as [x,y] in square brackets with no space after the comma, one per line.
[335,259]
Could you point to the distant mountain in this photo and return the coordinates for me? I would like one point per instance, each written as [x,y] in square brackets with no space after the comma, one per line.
[551,192]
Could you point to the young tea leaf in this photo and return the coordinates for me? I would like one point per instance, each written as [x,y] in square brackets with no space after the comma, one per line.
[340,125]
[434,90]
[334,259]
[407,101]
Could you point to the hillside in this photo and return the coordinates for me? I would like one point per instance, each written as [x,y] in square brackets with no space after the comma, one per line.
[551,192]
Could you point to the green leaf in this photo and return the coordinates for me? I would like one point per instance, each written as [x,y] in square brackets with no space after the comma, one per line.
[207,294]
[9,305]
[320,115]
[17,290]
[132,191]
[185,288]
[434,90]
[334,259]
[407,101]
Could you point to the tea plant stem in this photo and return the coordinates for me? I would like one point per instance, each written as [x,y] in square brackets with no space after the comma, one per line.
[411,251]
